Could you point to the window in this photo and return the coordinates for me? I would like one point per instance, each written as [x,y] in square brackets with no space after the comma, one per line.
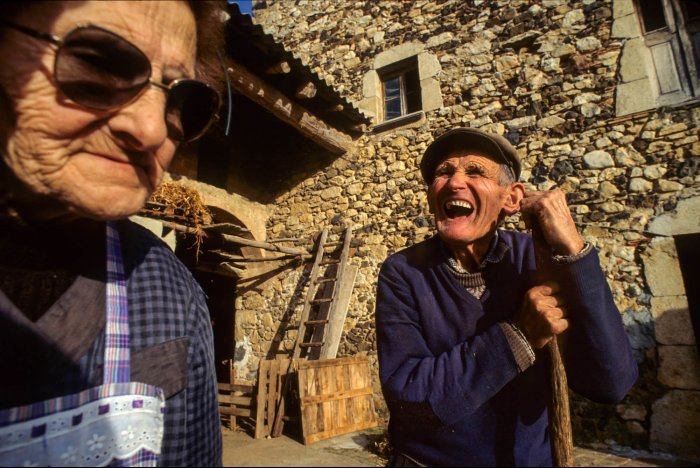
[671,30]
[401,89]
[401,86]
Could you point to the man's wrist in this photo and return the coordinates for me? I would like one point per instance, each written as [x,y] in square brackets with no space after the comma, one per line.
[522,350]
[587,247]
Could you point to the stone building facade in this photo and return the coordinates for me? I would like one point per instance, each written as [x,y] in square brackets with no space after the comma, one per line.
[587,98]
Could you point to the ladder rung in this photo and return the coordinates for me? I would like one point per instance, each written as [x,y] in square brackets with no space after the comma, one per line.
[322,300]
[329,262]
[333,243]
[311,345]
[326,280]
[315,322]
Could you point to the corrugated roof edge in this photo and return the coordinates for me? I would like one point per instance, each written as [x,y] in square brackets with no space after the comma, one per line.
[350,109]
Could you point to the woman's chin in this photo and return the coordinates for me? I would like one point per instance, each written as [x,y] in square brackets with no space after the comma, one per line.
[109,208]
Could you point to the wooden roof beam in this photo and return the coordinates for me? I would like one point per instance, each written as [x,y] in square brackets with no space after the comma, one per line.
[294,114]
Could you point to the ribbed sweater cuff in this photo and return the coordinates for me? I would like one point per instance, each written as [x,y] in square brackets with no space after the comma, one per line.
[522,351]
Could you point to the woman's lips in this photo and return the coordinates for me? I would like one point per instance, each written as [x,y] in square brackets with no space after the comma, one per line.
[135,161]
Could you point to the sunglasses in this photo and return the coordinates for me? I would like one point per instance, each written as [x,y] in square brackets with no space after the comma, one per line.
[101,70]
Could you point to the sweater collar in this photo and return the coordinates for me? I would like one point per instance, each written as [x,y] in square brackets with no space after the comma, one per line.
[495,253]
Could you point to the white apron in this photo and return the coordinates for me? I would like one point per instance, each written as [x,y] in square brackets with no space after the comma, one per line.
[119,423]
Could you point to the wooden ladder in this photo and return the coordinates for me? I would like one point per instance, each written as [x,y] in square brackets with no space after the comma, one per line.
[327,298]
[325,306]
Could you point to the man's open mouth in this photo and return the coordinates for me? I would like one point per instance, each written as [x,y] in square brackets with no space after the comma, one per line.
[455,208]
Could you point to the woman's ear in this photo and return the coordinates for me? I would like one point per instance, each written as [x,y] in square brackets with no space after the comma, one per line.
[515,194]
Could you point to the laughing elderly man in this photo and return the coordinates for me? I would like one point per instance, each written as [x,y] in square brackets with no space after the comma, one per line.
[462,321]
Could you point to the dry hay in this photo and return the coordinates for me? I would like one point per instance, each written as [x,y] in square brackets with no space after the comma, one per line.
[187,203]
[185,200]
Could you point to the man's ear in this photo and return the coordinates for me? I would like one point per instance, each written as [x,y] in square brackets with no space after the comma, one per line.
[515,194]
[431,208]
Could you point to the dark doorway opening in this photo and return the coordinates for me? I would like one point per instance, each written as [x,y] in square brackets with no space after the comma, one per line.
[688,248]
[221,297]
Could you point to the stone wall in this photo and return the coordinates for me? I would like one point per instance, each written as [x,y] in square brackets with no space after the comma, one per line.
[545,74]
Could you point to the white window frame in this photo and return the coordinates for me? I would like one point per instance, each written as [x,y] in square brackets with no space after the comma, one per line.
[674,54]
[400,71]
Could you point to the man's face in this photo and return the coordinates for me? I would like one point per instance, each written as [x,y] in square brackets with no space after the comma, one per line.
[467,199]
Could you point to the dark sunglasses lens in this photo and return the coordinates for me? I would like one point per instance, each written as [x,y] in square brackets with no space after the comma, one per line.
[192,106]
[100,70]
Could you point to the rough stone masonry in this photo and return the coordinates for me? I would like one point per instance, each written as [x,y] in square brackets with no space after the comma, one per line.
[551,75]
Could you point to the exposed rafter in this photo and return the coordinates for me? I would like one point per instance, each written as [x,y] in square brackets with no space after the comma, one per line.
[287,110]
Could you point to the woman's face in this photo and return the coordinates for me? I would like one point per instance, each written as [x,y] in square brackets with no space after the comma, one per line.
[96,164]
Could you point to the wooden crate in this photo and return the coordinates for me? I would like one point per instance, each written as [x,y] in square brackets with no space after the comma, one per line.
[335,397]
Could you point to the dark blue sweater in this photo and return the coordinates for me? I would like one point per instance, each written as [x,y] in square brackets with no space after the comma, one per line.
[448,374]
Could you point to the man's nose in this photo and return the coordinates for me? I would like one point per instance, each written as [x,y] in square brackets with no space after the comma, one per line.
[141,124]
[458,179]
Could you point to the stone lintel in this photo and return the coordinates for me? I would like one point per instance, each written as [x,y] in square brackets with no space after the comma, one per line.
[634,97]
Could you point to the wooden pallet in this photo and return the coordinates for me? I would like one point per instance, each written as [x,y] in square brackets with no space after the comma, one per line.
[235,400]
[335,397]
[272,377]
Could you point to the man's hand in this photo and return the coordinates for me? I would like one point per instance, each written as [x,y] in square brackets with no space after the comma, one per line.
[552,213]
[542,314]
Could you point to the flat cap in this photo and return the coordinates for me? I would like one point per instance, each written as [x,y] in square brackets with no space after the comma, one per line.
[464,138]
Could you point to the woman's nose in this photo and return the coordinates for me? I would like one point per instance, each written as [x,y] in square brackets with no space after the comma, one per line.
[141,124]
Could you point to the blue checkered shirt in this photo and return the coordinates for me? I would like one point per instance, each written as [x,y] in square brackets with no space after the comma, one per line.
[171,344]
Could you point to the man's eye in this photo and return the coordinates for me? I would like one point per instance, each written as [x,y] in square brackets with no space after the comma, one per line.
[443,172]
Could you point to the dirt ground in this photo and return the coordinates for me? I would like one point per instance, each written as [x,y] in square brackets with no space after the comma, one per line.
[363,448]
[355,449]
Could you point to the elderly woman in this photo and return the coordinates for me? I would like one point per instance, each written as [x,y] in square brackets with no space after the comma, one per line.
[106,345]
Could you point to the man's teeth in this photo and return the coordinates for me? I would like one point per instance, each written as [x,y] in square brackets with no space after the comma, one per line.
[458,203]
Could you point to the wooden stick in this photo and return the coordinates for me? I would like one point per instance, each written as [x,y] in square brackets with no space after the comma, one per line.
[243,241]
[265,245]
[559,413]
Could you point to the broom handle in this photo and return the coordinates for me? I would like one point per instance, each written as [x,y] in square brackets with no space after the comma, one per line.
[559,413]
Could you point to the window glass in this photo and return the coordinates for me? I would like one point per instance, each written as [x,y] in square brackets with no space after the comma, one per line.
[392,88]
[393,108]
[392,98]
[652,15]
[401,87]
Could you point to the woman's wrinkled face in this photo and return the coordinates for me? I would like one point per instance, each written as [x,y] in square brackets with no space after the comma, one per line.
[96,164]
